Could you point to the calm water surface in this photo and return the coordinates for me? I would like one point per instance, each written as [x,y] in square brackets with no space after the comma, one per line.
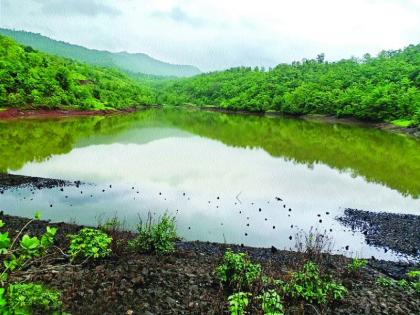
[218,173]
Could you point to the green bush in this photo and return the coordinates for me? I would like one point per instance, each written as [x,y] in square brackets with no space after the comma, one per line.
[157,238]
[237,271]
[385,282]
[271,303]
[309,285]
[30,298]
[89,243]
[238,303]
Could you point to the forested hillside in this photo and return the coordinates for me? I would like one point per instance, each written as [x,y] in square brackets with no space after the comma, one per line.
[382,88]
[133,63]
[30,77]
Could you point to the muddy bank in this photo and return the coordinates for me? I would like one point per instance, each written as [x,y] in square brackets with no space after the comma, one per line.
[399,232]
[16,113]
[9,181]
[184,282]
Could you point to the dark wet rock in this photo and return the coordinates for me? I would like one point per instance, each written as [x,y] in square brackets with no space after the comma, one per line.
[399,232]
[8,181]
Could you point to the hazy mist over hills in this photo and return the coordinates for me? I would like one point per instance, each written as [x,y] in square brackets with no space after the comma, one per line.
[128,62]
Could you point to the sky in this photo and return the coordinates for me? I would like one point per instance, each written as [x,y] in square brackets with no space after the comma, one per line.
[219,34]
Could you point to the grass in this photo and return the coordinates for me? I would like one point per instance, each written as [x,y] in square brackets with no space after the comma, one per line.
[402,123]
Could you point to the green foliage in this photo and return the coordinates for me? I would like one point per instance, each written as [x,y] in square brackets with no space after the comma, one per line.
[310,286]
[271,303]
[237,270]
[238,303]
[158,238]
[34,78]
[385,282]
[385,88]
[89,243]
[30,298]
[355,266]
[414,276]
[28,249]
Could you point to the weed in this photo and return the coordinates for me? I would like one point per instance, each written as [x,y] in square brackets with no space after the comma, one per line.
[238,303]
[271,303]
[355,266]
[158,238]
[237,271]
[385,282]
[89,243]
[309,285]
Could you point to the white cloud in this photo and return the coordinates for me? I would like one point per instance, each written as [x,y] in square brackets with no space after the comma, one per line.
[214,34]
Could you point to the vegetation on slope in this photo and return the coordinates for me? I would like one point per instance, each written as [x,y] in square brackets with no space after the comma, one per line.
[30,77]
[382,88]
[133,63]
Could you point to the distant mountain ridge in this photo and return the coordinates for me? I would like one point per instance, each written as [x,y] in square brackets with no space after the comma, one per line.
[128,62]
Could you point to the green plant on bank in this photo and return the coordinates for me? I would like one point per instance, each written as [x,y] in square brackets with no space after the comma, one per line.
[238,303]
[309,285]
[20,252]
[89,243]
[157,237]
[28,299]
[237,270]
[355,266]
[414,276]
[414,282]
[271,303]
[385,281]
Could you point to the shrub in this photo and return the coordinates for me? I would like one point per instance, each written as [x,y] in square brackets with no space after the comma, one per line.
[237,271]
[309,285]
[89,243]
[158,238]
[384,281]
[414,276]
[17,257]
[271,303]
[31,298]
[355,266]
[238,302]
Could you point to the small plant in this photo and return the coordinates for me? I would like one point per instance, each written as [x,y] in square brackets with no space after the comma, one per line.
[238,303]
[20,252]
[385,282]
[414,277]
[308,284]
[313,244]
[30,298]
[237,271]
[271,303]
[158,238]
[355,266]
[89,243]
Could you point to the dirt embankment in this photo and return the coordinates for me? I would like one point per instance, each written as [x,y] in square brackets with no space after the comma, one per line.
[16,113]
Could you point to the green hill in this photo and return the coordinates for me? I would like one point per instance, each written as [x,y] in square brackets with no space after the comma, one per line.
[133,63]
[381,88]
[30,77]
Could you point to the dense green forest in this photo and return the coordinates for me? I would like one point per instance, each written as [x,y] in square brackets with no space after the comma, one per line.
[382,88]
[30,77]
[127,62]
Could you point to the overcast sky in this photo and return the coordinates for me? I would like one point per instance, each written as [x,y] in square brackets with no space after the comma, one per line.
[217,34]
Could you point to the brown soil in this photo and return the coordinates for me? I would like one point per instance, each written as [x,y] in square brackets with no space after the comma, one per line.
[184,282]
[16,113]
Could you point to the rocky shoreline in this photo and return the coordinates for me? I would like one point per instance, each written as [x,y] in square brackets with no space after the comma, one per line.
[184,282]
[399,232]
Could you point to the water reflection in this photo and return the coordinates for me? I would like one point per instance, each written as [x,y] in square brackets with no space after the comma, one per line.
[194,164]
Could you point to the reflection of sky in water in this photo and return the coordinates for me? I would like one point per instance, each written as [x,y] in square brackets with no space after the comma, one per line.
[204,169]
